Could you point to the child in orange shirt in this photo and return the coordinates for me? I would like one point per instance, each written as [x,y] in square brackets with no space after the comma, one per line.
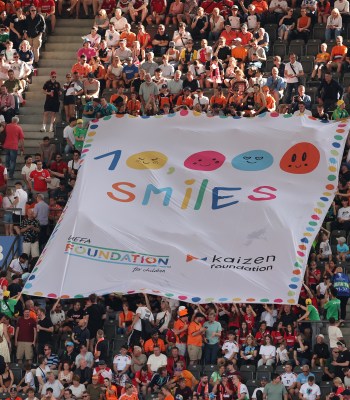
[321,61]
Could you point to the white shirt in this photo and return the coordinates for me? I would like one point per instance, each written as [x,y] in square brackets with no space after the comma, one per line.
[268,351]
[232,347]
[119,23]
[157,362]
[57,317]
[56,387]
[167,315]
[112,38]
[344,213]
[280,4]
[186,36]
[167,70]
[300,114]
[310,392]
[143,313]
[333,334]
[23,198]
[202,101]
[255,391]
[288,378]
[27,170]
[77,391]
[93,39]
[337,22]
[121,361]
[17,266]
[342,6]
[297,68]
[269,318]
[326,248]
[29,379]
[68,133]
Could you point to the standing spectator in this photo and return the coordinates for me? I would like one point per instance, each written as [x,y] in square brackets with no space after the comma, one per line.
[41,212]
[30,229]
[195,338]
[275,390]
[7,104]
[40,178]
[47,9]
[28,167]
[292,72]
[341,283]
[96,315]
[20,202]
[147,89]
[34,28]
[14,140]
[212,338]
[52,90]
[25,337]
[81,334]
[45,330]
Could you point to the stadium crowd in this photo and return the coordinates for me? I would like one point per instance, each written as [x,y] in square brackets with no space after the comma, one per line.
[236,58]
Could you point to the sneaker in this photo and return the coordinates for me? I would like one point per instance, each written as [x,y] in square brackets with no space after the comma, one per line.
[43,129]
[51,129]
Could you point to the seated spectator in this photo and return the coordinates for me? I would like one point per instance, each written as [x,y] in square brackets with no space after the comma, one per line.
[114,73]
[338,55]
[53,384]
[222,51]
[216,24]
[159,379]
[101,20]
[149,65]
[329,92]
[320,352]
[263,39]
[340,112]
[189,11]
[156,360]
[176,9]
[301,97]
[270,100]
[145,43]
[286,25]
[334,25]
[77,388]
[302,354]
[303,25]
[322,115]
[119,19]
[187,55]
[200,25]
[323,11]
[278,8]
[128,36]
[267,352]
[181,36]
[160,41]
[321,61]
[215,73]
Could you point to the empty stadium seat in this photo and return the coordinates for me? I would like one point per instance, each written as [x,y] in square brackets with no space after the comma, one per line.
[247,372]
[326,388]
[209,369]
[318,372]
[195,370]
[279,49]
[279,369]
[297,47]
[307,63]
[346,80]
[264,370]
[313,47]
[251,386]
[318,31]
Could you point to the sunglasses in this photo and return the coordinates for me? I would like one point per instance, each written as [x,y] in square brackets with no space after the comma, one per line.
[32,10]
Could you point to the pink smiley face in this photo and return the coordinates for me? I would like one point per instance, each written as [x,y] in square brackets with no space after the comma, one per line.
[205,161]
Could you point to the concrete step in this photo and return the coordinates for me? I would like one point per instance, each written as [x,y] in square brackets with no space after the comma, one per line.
[72,47]
[35,118]
[74,38]
[33,109]
[56,55]
[76,22]
[37,136]
[29,129]
[76,30]
[52,63]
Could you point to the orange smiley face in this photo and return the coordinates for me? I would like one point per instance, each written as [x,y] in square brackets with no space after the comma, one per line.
[302,158]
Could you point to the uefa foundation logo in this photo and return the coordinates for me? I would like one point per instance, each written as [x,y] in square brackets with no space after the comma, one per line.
[249,264]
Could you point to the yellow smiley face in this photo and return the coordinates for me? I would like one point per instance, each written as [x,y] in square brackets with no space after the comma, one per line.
[147,160]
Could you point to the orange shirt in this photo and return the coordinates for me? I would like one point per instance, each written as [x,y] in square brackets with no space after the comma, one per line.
[112,396]
[194,340]
[325,57]
[189,378]
[82,70]
[184,101]
[125,396]
[149,345]
[338,52]
[169,397]
[229,36]
[221,100]
[130,38]
[133,107]
[239,53]
[178,325]
[303,21]
[260,6]
[270,102]
[116,95]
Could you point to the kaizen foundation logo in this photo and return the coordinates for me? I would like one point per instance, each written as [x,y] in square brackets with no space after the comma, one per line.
[250,264]
[82,247]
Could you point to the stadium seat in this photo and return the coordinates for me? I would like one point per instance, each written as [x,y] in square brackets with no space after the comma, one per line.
[247,372]
[279,369]
[17,374]
[297,47]
[297,369]
[271,29]
[251,386]
[264,370]
[313,47]
[335,234]
[319,31]
[196,370]
[326,388]
[279,49]
[330,45]
[269,64]
[307,62]
[209,369]
[110,330]
[346,80]
[318,372]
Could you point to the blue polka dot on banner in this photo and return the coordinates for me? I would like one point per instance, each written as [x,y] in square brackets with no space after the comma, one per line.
[28,285]
[310,229]
[324,121]
[335,144]
[223,116]
[324,198]
[145,116]
[223,299]
[93,126]
[304,240]
[237,117]
[262,115]
[295,279]
[332,160]
[171,115]
[293,286]
[31,278]
[196,299]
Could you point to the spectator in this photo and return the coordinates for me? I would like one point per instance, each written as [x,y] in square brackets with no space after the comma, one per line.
[334,25]
[30,229]
[292,73]
[34,29]
[309,390]
[25,337]
[338,55]
[54,384]
[340,112]
[303,25]
[275,389]
[195,339]
[14,139]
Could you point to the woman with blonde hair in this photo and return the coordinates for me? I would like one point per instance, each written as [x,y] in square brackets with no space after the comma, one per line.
[334,25]
[114,73]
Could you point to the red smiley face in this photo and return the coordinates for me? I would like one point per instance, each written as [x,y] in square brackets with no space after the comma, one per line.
[302,158]
[205,161]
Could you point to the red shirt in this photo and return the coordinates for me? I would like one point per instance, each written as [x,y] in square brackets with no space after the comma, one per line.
[28,3]
[2,177]
[26,329]
[40,185]
[14,134]
[109,6]
[158,5]
[59,167]
[46,6]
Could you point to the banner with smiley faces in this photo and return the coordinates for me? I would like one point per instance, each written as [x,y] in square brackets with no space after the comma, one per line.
[194,208]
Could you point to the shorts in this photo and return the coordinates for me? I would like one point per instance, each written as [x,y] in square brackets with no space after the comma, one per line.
[32,249]
[24,349]
[194,352]
[8,217]
[68,100]
[52,106]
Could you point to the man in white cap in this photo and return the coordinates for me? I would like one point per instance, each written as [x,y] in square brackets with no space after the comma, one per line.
[320,352]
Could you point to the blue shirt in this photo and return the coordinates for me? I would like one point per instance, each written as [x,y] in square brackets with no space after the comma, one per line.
[130,71]
[341,283]
[344,248]
[90,107]
[276,84]
[108,110]
[301,378]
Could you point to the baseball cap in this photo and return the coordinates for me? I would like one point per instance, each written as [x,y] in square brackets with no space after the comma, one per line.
[102,362]
[164,86]
[69,344]
[53,73]
[235,7]
[340,102]
[171,44]
[237,39]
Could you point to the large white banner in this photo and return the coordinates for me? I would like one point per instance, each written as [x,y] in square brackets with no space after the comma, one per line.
[194,208]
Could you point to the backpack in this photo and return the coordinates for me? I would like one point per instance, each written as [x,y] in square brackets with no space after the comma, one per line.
[148,329]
